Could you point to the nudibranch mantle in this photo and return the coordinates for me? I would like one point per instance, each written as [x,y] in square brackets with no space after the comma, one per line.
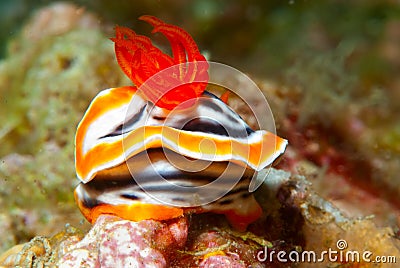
[107,138]
[133,132]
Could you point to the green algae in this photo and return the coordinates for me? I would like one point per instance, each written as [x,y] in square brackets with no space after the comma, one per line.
[45,87]
[390,138]
[325,84]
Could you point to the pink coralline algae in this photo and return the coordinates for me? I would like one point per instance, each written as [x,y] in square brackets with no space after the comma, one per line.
[221,261]
[113,242]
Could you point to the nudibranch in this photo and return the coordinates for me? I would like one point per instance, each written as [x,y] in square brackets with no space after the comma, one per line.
[134,143]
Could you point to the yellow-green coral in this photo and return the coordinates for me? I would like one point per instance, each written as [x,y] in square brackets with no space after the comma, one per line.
[45,86]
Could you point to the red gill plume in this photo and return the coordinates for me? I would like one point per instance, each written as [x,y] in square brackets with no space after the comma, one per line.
[175,80]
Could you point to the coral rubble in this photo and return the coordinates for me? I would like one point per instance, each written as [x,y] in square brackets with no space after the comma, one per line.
[296,219]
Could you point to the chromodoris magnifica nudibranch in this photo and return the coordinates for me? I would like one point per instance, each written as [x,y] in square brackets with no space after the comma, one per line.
[142,133]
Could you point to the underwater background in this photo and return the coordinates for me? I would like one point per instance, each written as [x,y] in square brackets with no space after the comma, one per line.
[330,70]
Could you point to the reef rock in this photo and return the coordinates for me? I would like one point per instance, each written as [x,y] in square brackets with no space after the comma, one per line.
[295,220]
[113,242]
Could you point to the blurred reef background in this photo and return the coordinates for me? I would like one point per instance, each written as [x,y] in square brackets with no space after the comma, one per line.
[330,70]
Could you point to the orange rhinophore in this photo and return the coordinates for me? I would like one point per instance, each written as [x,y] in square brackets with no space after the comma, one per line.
[161,148]
[225,97]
